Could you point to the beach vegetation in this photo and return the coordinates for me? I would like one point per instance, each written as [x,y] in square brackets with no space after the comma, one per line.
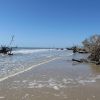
[92,45]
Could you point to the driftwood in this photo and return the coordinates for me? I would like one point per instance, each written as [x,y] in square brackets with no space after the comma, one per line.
[82,52]
[77,60]
[7,49]
[86,61]
[76,49]
[80,60]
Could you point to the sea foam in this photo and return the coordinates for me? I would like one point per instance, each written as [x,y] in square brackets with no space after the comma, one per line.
[29,51]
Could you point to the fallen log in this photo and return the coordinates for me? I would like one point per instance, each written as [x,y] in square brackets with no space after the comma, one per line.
[81,60]
[86,61]
[77,60]
[82,52]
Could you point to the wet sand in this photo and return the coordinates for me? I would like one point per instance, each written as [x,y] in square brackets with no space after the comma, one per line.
[60,79]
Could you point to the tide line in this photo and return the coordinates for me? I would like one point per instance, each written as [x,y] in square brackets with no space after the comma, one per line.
[45,62]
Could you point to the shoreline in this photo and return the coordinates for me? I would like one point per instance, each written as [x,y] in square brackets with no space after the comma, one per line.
[55,79]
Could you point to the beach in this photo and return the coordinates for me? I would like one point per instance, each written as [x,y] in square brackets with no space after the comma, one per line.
[49,77]
[49,50]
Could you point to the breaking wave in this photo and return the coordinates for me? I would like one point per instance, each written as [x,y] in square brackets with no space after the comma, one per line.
[29,51]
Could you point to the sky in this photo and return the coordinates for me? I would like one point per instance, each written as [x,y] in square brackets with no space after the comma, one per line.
[48,23]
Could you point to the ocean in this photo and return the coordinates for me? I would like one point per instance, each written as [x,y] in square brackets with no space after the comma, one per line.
[23,59]
[47,74]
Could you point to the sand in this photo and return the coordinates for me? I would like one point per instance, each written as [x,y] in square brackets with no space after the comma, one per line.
[57,79]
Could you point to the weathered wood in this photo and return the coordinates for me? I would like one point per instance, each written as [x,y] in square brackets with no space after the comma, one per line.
[77,60]
[82,52]
[5,50]
[86,61]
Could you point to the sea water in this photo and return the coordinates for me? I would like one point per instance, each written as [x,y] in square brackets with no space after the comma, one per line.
[60,79]
[25,58]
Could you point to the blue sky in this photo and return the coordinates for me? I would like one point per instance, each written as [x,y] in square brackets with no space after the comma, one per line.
[48,23]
